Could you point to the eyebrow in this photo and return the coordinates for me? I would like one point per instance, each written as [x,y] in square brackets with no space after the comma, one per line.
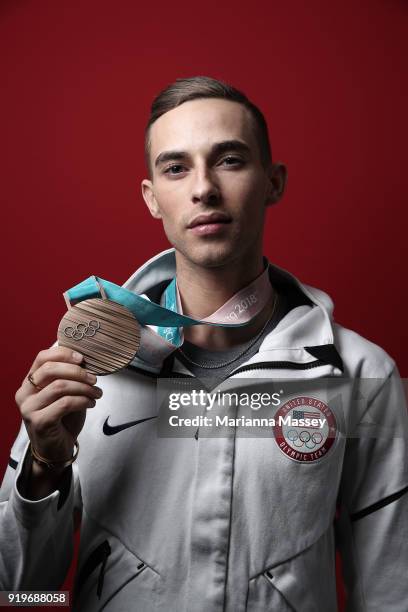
[216,149]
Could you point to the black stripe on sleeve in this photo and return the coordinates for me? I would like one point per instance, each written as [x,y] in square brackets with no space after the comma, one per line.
[13,463]
[380,504]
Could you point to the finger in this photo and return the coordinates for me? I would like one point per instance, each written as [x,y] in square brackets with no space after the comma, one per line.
[55,353]
[56,389]
[52,370]
[44,421]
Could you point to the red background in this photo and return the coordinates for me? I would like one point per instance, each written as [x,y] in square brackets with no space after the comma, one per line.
[77,79]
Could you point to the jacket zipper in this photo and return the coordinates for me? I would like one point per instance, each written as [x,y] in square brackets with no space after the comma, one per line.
[266,365]
[105,554]
[279,365]
[262,365]
[98,556]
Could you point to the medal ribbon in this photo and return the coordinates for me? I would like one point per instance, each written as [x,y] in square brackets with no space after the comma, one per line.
[163,325]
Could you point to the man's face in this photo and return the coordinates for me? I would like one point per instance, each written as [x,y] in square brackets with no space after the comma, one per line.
[208,183]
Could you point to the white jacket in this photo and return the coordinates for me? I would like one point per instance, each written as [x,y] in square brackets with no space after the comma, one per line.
[212,524]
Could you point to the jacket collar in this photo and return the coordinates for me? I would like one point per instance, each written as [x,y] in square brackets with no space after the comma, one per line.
[308,327]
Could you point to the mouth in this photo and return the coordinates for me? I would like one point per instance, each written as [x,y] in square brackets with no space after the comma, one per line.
[213,223]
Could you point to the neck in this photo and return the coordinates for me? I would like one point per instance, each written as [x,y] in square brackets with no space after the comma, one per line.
[205,290]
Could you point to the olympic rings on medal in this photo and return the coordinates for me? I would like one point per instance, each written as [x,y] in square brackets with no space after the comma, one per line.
[317,437]
[82,330]
[292,435]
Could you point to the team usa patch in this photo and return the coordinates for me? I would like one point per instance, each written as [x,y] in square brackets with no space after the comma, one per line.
[305,429]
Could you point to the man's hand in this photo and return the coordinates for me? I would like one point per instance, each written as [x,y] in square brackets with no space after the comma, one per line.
[54,410]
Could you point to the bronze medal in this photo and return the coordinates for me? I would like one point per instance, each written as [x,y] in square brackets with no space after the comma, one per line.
[105,332]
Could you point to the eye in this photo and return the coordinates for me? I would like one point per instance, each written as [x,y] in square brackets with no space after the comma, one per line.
[232,160]
[174,169]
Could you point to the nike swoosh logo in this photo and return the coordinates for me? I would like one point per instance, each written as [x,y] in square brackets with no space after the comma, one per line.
[110,430]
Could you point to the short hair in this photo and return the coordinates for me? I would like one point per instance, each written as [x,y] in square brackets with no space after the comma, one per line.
[194,88]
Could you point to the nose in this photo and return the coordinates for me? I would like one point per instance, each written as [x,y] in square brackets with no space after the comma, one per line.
[205,189]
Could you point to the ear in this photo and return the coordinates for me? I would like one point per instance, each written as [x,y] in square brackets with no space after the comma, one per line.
[277,179]
[149,198]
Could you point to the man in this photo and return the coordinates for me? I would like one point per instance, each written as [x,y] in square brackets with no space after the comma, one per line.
[205,523]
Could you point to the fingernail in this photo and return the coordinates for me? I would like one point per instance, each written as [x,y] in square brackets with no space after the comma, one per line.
[98,391]
[91,377]
[77,356]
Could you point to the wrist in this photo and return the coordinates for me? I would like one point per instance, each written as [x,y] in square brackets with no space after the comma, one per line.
[37,481]
[42,472]
[53,466]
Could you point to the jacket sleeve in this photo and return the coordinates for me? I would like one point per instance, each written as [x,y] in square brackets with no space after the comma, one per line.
[372,529]
[36,536]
